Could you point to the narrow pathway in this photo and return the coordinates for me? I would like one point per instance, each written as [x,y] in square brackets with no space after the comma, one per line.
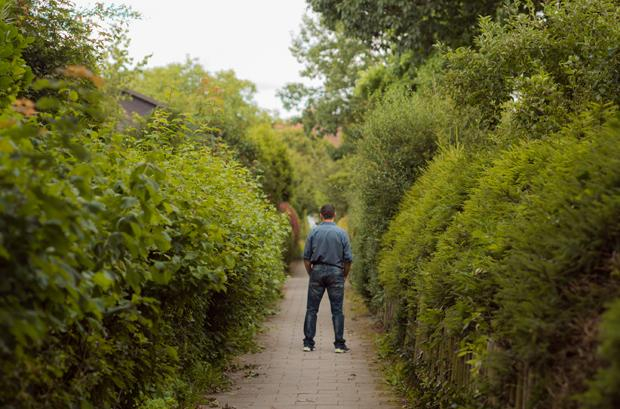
[282,376]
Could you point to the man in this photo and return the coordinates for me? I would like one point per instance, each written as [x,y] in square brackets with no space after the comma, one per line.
[327,258]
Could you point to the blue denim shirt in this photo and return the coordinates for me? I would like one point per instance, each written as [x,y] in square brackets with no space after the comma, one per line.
[328,244]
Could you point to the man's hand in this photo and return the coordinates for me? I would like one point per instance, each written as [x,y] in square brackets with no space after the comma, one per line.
[308,266]
[347,268]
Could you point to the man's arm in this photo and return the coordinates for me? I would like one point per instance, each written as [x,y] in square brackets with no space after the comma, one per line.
[308,253]
[348,255]
[347,268]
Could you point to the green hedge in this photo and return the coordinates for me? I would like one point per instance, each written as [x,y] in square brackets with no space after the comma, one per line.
[273,163]
[399,136]
[14,72]
[411,239]
[132,265]
[498,275]
[531,70]
[503,274]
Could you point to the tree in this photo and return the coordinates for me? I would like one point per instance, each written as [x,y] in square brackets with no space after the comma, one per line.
[312,166]
[334,59]
[218,100]
[406,25]
[63,35]
[273,164]
[14,72]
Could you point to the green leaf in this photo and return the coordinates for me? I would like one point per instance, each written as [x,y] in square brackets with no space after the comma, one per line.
[103,280]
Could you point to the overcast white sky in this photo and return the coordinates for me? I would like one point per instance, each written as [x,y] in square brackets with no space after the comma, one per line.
[249,36]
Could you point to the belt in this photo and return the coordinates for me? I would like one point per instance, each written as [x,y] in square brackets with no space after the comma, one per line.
[327,264]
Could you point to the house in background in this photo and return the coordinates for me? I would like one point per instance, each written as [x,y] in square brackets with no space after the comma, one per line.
[139,103]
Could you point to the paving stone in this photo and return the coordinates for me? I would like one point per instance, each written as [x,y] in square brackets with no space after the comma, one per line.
[285,377]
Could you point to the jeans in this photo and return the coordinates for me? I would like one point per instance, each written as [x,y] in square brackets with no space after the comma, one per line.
[324,277]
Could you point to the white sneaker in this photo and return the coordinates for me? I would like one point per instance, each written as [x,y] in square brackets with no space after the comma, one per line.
[341,350]
[308,349]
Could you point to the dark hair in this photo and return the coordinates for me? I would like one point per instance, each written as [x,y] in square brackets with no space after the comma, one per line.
[328,211]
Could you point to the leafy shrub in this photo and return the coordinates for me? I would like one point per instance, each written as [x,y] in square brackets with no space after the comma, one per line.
[496,270]
[14,73]
[411,239]
[129,264]
[272,163]
[399,136]
[502,294]
[60,34]
[603,389]
[224,103]
[548,62]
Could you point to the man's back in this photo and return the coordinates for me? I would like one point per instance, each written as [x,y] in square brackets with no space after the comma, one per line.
[328,244]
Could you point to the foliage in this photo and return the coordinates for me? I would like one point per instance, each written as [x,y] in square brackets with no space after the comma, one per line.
[500,260]
[335,60]
[479,296]
[219,99]
[337,184]
[410,26]
[311,165]
[133,263]
[225,103]
[14,73]
[62,35]
[540,102]
[273,166]
[603,390]
[426,211]
[538,67]
[399,136]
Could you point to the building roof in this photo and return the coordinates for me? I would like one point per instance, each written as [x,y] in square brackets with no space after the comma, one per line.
[137,95]
[139,103]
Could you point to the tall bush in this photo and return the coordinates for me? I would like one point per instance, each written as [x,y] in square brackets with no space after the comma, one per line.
[411,239]
[539,66]
[15,74]
[501,260]
[501,307]
[272,164]
[132,265]
[399,136]
[61,34]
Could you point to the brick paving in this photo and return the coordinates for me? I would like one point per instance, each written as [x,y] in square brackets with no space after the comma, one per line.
[282,376]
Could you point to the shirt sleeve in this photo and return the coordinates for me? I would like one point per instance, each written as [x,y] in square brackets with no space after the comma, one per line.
[308,247]
[348,254]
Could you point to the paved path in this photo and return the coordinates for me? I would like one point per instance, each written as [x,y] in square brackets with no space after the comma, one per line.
[282,376]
